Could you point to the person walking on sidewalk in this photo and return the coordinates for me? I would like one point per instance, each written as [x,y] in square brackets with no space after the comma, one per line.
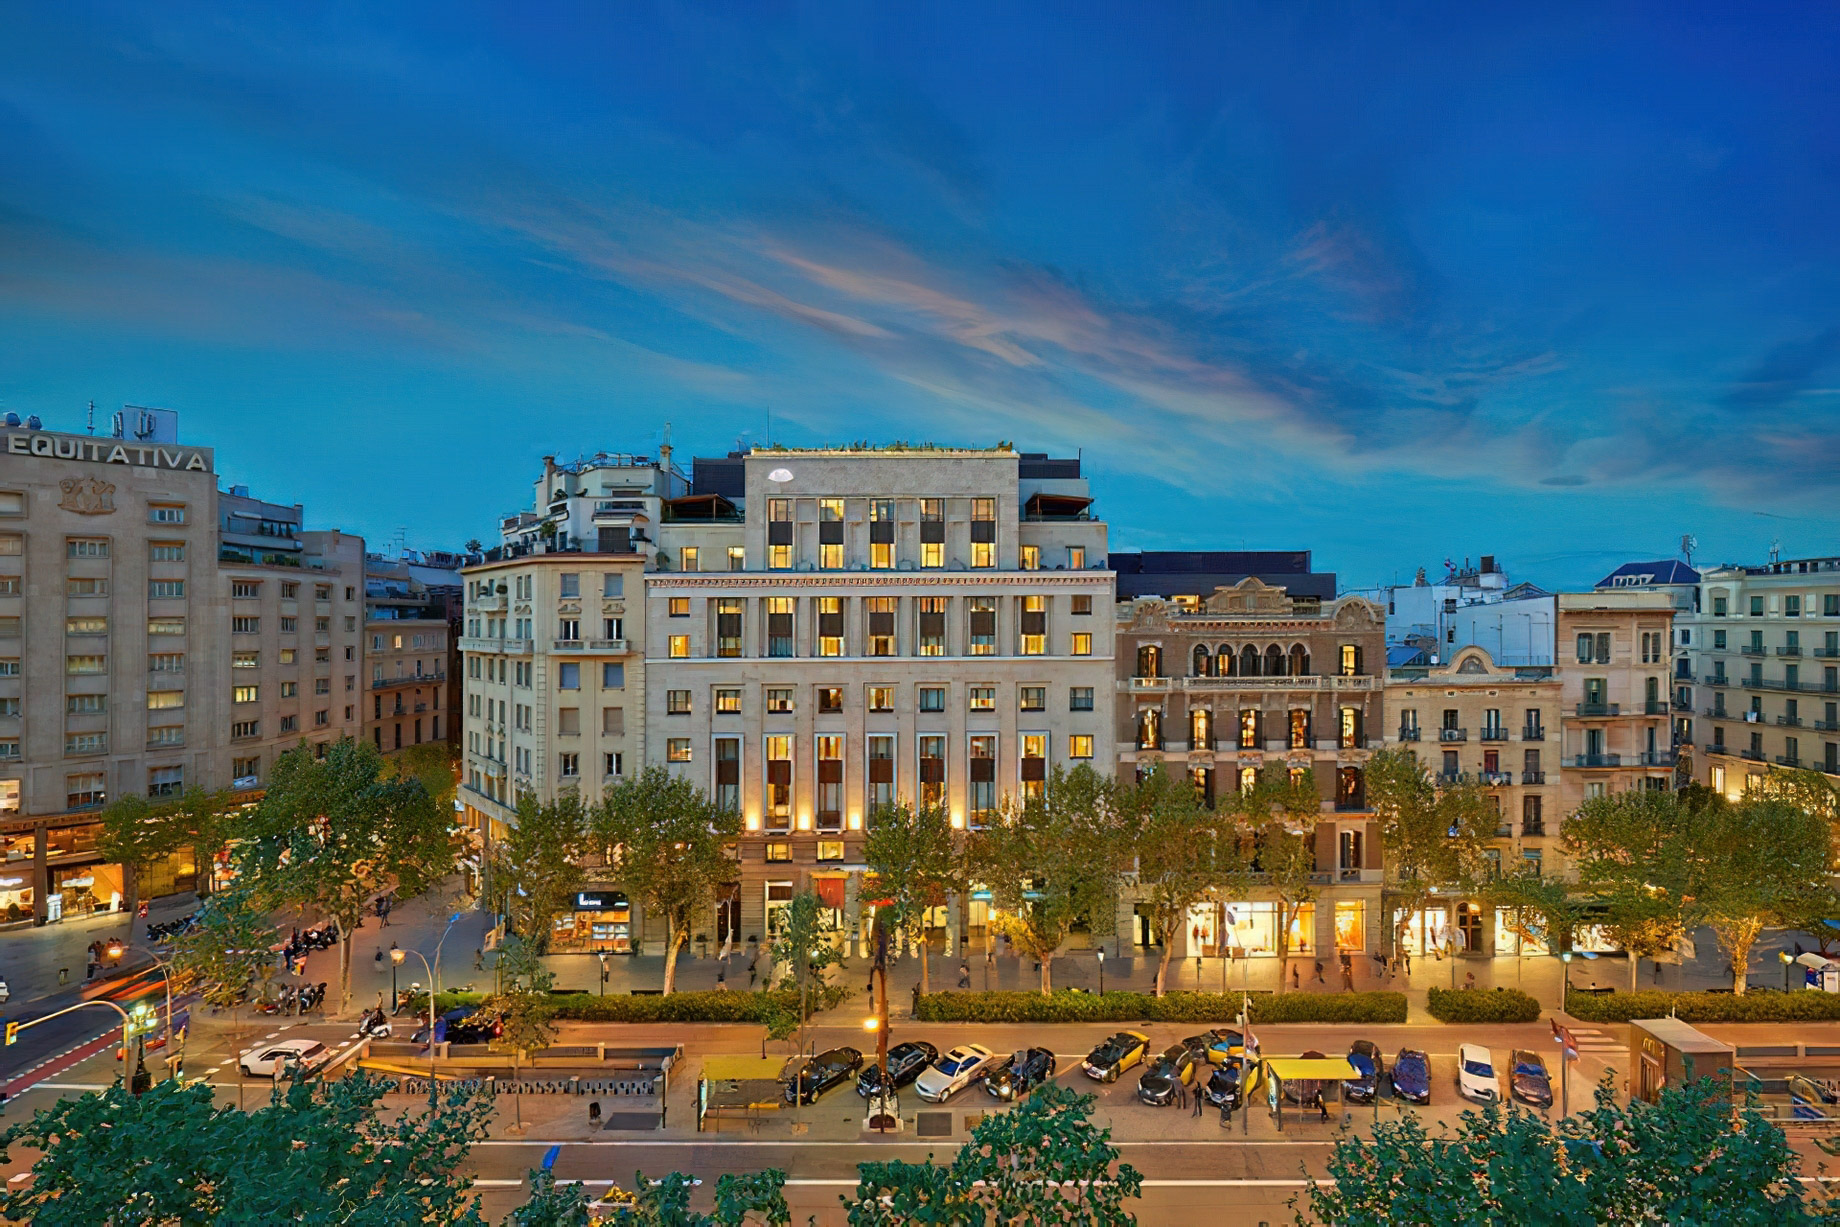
[753,968]
[964,975]
[1200,1101]
[1294,983]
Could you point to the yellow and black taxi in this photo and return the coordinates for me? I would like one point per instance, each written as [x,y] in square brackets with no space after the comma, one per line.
[1115,1054]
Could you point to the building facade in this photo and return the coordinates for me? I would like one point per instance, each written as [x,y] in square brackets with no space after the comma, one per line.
[1616,713]
[1250,678]
[1765,671]
[1473,721]
[412,612]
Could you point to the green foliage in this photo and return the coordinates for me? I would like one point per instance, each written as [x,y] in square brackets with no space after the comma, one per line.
[913,855]
[435,763]
[744,1197]
[804,941]
[536,867]
[1186,1007]
[1041,1162]
[1434,835]
[137,832]
[1186,853]
[1538,908]
[1799,1006]
[673,850]
[225,949]
[318,1152]
[1500,1005]
[551,1204]
[677,1008]
[1055,863]
[1679,1160]
[1280,819]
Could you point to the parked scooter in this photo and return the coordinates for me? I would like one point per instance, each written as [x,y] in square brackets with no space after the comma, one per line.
[374,1025]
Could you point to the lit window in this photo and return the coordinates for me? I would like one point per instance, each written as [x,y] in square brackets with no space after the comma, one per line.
[238,694]
[1080,745]
[830,626]
[679,607]
[727,702]
[983,698]
[677,702]
[680,647]
[881,698]
[1082,644]
[1031,558]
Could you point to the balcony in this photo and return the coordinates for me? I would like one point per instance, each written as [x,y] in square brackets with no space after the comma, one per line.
[1656,758]
[1685,705]
[1778,683]
[1828,726]
[503,647]
[1716,679]
[1448,778]
[1592,761]
[1756,756]
[1533,734]
[1494,733]
[1533,830]
[592,647]
[1789,721]
[1453,734]
[1655,707]
[1533,777]
[1754,649]
[1789,651]
[414,679]
[1497,779]
[1153,685]
[488,604]
[1411,734]
[1827,653]
[1789,760]
[1587,711]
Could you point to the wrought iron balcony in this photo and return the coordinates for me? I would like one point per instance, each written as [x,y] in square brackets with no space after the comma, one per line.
[1453,734]
[1597,760]
[1589,710]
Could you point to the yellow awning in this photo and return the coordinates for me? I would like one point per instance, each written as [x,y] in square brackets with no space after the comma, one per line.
[1323,1069]
[741,1069]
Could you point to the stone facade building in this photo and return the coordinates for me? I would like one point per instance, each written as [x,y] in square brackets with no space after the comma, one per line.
[1251,678]
[412,613]
[1616,704]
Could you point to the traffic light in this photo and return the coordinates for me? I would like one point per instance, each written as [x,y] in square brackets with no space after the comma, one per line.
[12,1034]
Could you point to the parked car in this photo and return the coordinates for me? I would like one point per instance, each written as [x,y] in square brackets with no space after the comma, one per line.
[1232,1082]
[1113,1056]
[616,1205]
[1222,1044]
[821,1073]
[1412,1076]
[460,1026]
[905,1061]
[6,994]
[1365,1056]
[1476,1073]
[281,1058]
[1304,1090]
[954,1072]
[1178,1066]
[1023,1072]
[1527,1078]
[1805,1090]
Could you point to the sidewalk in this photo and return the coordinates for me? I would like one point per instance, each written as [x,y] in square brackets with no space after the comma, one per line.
[30,957]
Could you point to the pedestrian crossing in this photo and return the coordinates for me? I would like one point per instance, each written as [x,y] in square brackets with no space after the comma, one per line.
[1599,1044]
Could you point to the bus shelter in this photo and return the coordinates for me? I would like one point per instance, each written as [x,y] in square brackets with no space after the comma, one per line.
[737,1088]
[1309,1076]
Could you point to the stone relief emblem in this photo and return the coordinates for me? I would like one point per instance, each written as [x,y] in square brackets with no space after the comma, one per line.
[90,496]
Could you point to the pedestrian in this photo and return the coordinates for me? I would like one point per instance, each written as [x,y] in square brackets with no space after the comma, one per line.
[1347,978]
[1321,1105]
[964,975]
[1319,970]
[1405,957]
[379,957]
[1469,979]
[722,979]
[1294,983]
[753,968]
[990,957]
[916,998]
[1200,1101]
[479,958]
[1181,1096]
[1226,1114]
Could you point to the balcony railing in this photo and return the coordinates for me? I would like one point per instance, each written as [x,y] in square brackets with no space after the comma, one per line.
[1533,830]
[413,679]
[1497,779]
[1789,651]
[1597,760]
[1410,734]
[1715,679]
[1493,733]
[1588,710]
[1532,734]
[1533,777]
[1754,649]
[1453,734]
[1655,707]
[1780,683]
[1685,705]
[1828,726]
[1756,756]
[1149,683]
[1453,777]
[1656,758]
[1789,760]
[1790,721]
[1827,653]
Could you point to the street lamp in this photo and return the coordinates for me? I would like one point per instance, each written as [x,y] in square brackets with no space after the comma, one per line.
[1102,971]
[1788,961]
[1565,991]
[396,957]
[602,956]
[115,950]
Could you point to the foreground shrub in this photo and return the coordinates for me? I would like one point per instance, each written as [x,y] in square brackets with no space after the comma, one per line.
[1501,1005]
[1186,1007]
[1800,1006]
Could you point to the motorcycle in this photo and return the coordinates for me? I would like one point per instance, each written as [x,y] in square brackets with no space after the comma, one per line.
[374,1026]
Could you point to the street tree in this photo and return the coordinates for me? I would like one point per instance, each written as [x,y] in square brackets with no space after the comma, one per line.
[435,763]
[334,832]
[537,867]
[740,1198]
[522,1009]
[1279,814]
[1052,862]
[1635,850]
[226,950]
[1186,853]
[804,944]
[673,847]
[913,855]
[1539,908]
[139,833]
[1043,1162]
[1753,862]
[1433,832]
[319,1152]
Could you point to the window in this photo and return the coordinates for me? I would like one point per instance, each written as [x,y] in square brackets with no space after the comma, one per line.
[86,664]
[1081,606]
[680,647]
[1351,660]
[1830,604]
[880,612]
[982,625]
[727,701]
[830,534]
[249,626]
[9,666]
[779,625]
[86,547]
[728,626]
[569,585]
[830,699]
[1034,626]
[166,735]
[238,694]
[983,698]
[677,702]
[288,625]
[779,700]
[1076,558]
[12,504]
[1080,698]
[1032,698]
[245,728]
[86,704]
[727,780]
[246,590]
[1756,607]
[568,765]
[932,532]
[86,626]
[1080,745]
[1351,730]
[1300,728]
[613,722]
[932,698]
[1200,728]
[881,698]
[686,558]
[932,751]
[245,660]
[678,607]
[778,799]
[567,629]
[881,533]
[568,676]
[84,791]
[1032,770]
[737,558]
[983,767]
[983,532]
[1031,558]
[932,617]
[322,685]
[85,586]
[166,513]
[86,743]
[290,690]
[779,852]
[9,803]
[290,724]
[1249,728]
[568,721]
[829,762]
[163,589]
[830,626]
[613,677]
[779,533]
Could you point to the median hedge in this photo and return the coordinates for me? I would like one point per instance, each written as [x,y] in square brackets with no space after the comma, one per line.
[1799,1006]
[1500,1005]
[1184,1007]
[677,1008]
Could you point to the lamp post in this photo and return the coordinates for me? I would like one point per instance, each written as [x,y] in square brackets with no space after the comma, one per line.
[1102,971]
[116,950]
[601,955]
[1788,962]
[396,957]
[1565,988]
[434,973]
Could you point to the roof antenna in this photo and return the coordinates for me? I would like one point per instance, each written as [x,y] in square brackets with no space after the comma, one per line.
[1688,543]
[92,417]
[1776,549]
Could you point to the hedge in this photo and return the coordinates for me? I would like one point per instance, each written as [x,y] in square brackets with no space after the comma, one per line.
[1800,1006]
[677,1008]
[1184,1007]
[1501,1005]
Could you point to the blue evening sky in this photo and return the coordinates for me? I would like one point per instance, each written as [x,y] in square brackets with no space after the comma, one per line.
[1393,282]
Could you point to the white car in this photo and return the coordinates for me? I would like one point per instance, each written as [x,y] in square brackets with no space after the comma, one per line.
[281,1058]
[1476,1073]
[6,994]
[953,1072]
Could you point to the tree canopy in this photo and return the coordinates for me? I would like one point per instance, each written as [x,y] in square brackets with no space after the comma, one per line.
[1186,853]
[537,866]
[913,853]
[1434,833]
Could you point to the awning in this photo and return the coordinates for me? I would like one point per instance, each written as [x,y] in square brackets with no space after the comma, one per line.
[1322,1069]
[1041,504]
[742,1068]
[830,892]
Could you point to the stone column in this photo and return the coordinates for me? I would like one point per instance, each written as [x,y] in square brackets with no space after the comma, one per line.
[953,923]
[41,873]
[853,936]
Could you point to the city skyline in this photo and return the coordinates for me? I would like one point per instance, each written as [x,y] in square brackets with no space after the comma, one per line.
[1390,291]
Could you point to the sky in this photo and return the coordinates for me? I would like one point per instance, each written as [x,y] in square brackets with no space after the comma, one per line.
[1396,283]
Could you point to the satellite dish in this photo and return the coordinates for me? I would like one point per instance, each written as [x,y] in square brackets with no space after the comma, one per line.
[780,475]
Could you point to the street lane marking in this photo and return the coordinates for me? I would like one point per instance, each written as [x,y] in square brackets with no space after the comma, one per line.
[509,1184]
[932,1145]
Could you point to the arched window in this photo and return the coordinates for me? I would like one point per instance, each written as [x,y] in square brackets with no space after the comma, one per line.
[1226,662]
[1203,663]
[1300,661]
[1249,661]
[1274,661]
[1149,661]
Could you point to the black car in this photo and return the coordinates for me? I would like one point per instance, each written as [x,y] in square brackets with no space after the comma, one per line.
[1177,1067]
[1364,1056]
[1528,1080]
[1223,1087]
[461,1025]
[905,1061]
[821,1073]
[1022,1073]
[1412,1076]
